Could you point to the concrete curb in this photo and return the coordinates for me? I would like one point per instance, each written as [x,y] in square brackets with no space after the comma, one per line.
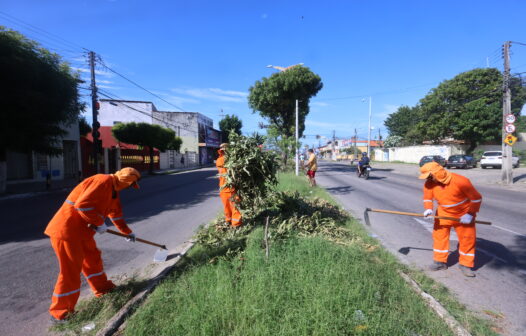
[453,324]
[117,322]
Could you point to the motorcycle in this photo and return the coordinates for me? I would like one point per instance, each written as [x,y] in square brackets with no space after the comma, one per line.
[366,169]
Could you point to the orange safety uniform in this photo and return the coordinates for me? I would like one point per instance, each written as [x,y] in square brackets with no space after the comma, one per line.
[90,202]
[232,214]
[456,196]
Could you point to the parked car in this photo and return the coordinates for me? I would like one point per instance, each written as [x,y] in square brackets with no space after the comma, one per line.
[461,161]
[430,158]
[494,159]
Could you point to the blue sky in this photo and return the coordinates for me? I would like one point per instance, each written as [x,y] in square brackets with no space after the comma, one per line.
[202,56]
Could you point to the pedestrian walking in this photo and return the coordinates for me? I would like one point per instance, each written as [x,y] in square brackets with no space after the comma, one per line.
[312,166]
[228,195]
[455,197]
[71,233]
[182,160]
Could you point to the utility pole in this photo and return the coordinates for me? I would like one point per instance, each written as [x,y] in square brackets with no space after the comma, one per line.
[355,140]
[507,172]
[369,140]
[334,145]
[94,112]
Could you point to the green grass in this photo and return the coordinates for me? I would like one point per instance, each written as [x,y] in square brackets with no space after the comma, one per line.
[308,286]
[288,181]
[99,310]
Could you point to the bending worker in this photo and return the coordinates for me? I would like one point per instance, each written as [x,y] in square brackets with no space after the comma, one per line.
[456,197]
[232,214]
[71,232]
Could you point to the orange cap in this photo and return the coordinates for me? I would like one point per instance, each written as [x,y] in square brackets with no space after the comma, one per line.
[129,176]
[440,174]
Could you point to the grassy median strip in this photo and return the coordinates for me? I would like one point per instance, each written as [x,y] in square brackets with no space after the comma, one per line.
[324,276]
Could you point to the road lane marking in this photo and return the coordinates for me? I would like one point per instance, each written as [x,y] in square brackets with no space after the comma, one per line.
[504,229]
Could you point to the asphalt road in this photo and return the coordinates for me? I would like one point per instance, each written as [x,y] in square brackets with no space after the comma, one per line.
[167,209]
[500,263]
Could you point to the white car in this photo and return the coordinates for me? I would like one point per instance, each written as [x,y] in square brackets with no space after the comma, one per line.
[494,159]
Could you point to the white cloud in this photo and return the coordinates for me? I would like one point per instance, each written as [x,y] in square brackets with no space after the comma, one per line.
[214,94]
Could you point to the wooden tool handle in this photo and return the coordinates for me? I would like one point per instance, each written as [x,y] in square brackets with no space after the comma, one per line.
[144,241]
[421,215]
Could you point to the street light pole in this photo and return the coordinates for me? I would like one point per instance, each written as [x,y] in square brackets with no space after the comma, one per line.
[369,137]
[297,141]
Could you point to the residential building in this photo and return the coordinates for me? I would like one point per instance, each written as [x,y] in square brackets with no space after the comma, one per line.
[200,139]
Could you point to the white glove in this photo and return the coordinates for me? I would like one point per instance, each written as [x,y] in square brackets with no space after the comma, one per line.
[466,219]
[428,212]
[130,238]
[102,228]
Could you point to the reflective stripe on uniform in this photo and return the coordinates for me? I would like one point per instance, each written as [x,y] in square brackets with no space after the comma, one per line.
[428,201]
[235,220]
[94,274]
[476,201]
[117,218]
[69,202]
[66,294]
[84,209]
[228,218]
[467,254]
[440,251]
[452,205]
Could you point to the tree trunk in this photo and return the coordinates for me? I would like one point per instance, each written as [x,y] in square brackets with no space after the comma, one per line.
[3,171]
[150,169]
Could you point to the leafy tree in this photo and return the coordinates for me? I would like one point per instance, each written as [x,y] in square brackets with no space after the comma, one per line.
[146,135]
[275,97]
[393,141]
[230,123]
[400,122]
[40,98]
[282,144]
[467,107]
[84,127]
[521,124]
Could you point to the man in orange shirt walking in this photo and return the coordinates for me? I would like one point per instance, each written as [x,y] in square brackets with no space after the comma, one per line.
[456,197]
[71,233]
[232,214]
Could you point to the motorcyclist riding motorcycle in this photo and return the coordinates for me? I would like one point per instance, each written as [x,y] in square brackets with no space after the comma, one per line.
[363,163]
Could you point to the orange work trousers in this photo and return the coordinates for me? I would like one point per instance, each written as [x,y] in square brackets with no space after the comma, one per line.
[74,257]
[232,214]
[466,242]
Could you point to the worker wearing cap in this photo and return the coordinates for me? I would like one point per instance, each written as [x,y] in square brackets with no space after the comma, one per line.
[71,232]
[227,194]
[456,197]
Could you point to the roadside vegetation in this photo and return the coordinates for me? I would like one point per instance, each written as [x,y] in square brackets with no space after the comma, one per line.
[326,278]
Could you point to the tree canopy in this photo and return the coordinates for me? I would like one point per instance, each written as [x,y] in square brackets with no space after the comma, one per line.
[230,123]
[275,97]
[147,135]
[39,96]
[467,107]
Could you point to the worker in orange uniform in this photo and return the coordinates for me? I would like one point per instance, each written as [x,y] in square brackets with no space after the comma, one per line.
[456,197]
[232,214]
[71,232]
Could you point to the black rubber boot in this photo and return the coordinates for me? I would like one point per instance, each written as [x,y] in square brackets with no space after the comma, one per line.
[437,266]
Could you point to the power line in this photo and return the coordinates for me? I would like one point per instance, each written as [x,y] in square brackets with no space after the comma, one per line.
[147,113]
[139,86]
[40,31]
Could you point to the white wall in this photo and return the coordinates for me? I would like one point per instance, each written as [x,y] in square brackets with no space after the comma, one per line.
[414,153]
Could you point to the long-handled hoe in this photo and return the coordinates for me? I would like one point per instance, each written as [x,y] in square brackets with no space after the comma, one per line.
[160,255]
[368,222]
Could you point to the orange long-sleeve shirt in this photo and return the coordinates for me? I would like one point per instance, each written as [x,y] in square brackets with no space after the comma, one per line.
[90,202]
[454,199]
[220,164]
